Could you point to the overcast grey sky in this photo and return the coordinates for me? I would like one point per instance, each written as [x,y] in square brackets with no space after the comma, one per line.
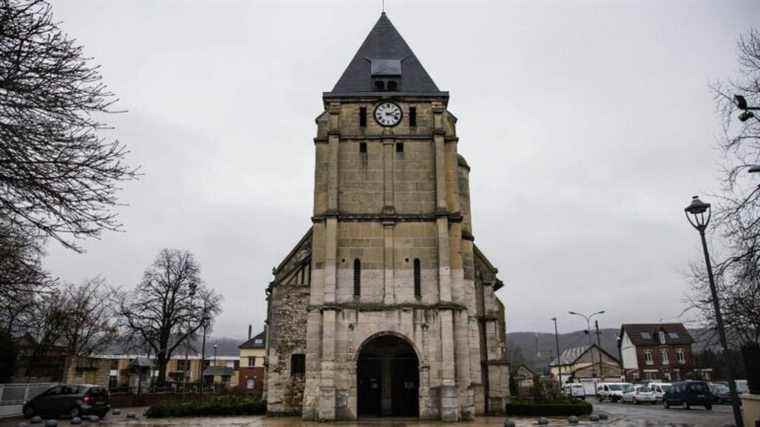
[588,126]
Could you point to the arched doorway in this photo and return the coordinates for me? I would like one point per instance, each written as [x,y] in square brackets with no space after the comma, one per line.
[388,378]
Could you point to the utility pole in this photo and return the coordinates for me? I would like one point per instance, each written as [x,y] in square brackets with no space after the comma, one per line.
[599,349]
[559,362]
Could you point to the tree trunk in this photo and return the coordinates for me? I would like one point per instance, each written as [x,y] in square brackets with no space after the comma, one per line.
[162,362]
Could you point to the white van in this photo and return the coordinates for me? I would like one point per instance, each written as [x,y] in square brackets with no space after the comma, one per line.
[575,390]
[659,389]
[611,391]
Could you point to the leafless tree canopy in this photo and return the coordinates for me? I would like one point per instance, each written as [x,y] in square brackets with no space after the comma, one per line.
[168,305]
[736,216]
[57,175]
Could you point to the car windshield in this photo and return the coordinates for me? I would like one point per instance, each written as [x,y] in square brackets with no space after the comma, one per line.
[720,388]
[665,387]
[627,388]
[642,389]
[615,387]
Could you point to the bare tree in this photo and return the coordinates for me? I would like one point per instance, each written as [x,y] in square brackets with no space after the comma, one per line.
[58,176]
[90,324]
[736,216]
[169,305]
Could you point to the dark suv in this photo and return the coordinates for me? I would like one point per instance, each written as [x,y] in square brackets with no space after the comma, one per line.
[73,400]
[688,393]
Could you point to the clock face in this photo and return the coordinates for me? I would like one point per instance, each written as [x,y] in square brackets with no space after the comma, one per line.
[388,114]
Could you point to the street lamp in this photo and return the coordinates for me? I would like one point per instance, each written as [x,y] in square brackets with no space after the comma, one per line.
[746,114]
[588,331]
[559,362]
[698,214]
[204,321]
[215,347]
[588,321]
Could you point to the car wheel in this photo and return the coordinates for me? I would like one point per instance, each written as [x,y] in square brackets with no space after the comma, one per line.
[29,411]
[708,407]
[75,412]
[666,404]
[687,405]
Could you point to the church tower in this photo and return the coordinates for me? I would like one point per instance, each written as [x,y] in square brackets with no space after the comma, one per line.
[386,307]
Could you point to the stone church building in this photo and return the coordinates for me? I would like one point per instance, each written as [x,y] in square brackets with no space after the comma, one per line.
[386,307]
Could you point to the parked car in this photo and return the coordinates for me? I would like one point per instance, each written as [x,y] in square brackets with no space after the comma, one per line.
[610,391]
[721,393]
[688,393]
[659,389]
[575,390]
[73,400]
[639,394]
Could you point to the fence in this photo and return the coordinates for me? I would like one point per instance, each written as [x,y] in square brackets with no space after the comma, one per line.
[13,396]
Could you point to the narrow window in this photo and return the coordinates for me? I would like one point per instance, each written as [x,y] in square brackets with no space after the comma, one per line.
[392,86]
[413,116]
[357,277]
[417,279]
[363,147]
[363,117]
[297,364]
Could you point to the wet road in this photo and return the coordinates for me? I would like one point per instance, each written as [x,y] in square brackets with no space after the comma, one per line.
[620,415]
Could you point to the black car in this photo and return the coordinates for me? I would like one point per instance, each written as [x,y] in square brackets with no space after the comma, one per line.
[72,400]
[688,393]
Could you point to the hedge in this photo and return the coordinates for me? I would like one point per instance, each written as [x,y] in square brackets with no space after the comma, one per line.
[549,408]
[213,406]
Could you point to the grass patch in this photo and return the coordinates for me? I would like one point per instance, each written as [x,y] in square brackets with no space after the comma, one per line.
[549,408]
[210,407]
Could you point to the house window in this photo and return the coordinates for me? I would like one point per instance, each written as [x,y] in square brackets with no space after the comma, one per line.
[297,364]
[646,336]
[417,279]
[648,358]
[236,364]
[363,148]
[673,335]
[400,150]
[413,116]
[251,362]
[357,277]
[680,356]
[662,337]
[250,384]
[392,86]
[363,117]
[379,85]
[664,356]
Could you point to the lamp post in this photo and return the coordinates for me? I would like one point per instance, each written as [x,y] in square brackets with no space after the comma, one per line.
[205,321]
[559,362]
[698,214]
[588,331]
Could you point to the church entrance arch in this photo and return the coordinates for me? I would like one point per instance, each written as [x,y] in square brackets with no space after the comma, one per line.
[388,378]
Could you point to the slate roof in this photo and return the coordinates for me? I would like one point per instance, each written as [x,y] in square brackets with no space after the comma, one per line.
[648,333]
[385,46]
[251,343]
[570,355]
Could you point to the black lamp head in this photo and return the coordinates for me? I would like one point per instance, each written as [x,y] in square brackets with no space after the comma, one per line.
[741,102]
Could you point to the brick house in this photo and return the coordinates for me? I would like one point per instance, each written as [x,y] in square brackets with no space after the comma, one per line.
[656,351]
[252,356]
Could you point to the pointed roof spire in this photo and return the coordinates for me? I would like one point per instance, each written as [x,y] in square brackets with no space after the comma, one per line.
[385,51]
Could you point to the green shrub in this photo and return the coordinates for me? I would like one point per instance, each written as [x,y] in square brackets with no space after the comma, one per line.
[549,408]
[212,406]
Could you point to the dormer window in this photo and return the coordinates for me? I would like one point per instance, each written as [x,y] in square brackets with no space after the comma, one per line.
[662,337]
[386,74]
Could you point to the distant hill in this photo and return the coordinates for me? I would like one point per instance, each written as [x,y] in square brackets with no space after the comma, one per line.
[537,349]
[225,347]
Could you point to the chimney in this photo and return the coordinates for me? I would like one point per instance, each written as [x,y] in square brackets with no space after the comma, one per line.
[249,331]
